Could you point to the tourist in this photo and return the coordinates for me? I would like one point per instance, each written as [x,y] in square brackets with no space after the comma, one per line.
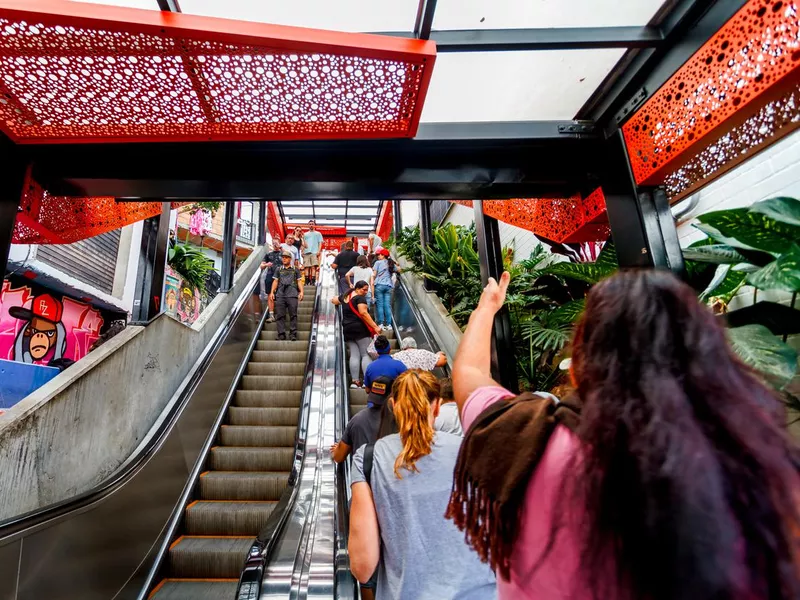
[362,272]
[290,247]
[344,261]
[675,482]
[384,365]
[312,254]
[287,291]
[448,419]
[397,522]
[271,262]
[415,358]
[358,328]
[374,242]
[383,290]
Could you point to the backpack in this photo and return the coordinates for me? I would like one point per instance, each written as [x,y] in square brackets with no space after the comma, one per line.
[369,454]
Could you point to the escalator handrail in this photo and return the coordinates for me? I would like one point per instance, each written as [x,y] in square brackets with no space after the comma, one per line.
[430,340]
[55,512]
[345,585]
[260,553]
[176,518]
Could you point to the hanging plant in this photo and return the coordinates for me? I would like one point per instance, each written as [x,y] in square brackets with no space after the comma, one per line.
[191,264]
[211,206]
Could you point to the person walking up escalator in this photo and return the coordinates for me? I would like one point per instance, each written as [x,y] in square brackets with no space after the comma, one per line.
[270,264]
[287,291]
[384,284]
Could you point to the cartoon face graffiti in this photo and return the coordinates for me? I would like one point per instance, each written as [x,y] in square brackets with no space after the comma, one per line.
[43,334]
[172,300]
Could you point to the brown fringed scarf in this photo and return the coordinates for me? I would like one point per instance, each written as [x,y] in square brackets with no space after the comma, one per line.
[496,460]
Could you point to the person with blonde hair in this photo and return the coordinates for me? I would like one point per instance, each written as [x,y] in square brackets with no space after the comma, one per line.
[401,486]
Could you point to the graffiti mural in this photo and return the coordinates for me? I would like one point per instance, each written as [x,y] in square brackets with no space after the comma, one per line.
[39,326]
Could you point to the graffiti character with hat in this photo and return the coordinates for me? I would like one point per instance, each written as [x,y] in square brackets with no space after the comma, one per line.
[43,333]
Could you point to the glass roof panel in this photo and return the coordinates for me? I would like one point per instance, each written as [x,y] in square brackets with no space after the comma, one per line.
[339,15]
[517,14]
[151,4]
[515,86]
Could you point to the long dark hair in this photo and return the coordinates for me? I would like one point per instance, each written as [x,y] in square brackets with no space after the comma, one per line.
[687,483]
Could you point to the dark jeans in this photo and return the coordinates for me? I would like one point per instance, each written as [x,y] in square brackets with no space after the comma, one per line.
[282,305]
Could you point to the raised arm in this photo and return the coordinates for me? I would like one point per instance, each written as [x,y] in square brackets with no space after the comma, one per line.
[472,367]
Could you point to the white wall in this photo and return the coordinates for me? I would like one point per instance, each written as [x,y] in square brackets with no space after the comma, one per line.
[409,212]
[773,172]
[521,240]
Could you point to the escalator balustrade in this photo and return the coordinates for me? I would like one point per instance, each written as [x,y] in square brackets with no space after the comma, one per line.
[246,472]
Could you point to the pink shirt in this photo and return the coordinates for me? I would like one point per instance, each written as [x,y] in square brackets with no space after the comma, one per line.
[555,579]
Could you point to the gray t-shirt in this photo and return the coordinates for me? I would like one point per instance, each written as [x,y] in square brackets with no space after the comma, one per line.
[362,428]
[448,419]
[423,555]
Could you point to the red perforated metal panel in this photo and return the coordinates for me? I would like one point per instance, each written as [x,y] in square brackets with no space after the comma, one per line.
[573,219]
[752,60]
[385,220]
[46,219]
[72,72]
[274,221]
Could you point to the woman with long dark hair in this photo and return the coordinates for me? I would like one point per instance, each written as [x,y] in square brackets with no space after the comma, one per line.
[397,522]
[676,482]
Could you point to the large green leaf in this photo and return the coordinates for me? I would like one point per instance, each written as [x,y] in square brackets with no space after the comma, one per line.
[588,272]
[782,209]
[720,254]
[569,312]
[782,274]
[608,256]
[757,347]
[753,229]
[727,288]
[719,276]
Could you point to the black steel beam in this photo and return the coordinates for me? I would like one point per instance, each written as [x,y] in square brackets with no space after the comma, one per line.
[534,164]
[11,186]
[685,28]
[169,5]
[262,222]
[561,38]
[228,247]
[8,218]
[490,253]
[148,298]
[425,233]
[426,10]
[398,218]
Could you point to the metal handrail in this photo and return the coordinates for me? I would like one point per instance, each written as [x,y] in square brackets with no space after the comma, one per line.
[263,547]
[37,519]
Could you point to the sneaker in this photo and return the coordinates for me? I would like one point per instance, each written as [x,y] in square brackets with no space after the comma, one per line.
[292,338]
[282,338]
[270,319]
[355,385]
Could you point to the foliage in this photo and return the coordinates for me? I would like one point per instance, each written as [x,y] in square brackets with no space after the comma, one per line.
[211,206]
[191,264]
[408,245]
[759,348]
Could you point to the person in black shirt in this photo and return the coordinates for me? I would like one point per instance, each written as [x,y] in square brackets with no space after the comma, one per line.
[363,427]
[287,291]
[358,328]
[343,262]
[270,264]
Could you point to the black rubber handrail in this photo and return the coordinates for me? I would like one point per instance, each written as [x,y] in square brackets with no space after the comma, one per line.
[263,547]
[55,512]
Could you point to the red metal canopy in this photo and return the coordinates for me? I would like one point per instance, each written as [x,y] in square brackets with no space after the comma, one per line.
[73,72]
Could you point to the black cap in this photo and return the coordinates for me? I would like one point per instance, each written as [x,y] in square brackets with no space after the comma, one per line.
[380,390]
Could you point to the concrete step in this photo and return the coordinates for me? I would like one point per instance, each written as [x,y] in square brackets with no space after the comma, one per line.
[238,485]
[217,517]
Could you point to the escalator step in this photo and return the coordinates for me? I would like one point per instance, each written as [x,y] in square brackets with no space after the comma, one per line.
[358,396]
[209,557]
[272,335]
[268,398]
[238,458]
[282,346]
[284,356]
[195,589]
[237,485]
[303,322]
[276,368]
[238,415]
[269,436]
[272,382]
[219,517]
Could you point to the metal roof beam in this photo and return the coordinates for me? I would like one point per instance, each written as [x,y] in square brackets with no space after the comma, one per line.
[169,5]
[424,21]
[561,38]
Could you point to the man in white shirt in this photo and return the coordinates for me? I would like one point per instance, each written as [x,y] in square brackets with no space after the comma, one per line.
[288,246]
[374,243]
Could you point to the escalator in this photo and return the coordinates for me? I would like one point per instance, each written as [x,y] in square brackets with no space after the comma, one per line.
[246,472]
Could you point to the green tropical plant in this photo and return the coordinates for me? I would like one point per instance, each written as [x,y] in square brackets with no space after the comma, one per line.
[191,264]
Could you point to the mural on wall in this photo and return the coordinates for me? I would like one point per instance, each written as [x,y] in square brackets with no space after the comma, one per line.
[182,301]
[39,326]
